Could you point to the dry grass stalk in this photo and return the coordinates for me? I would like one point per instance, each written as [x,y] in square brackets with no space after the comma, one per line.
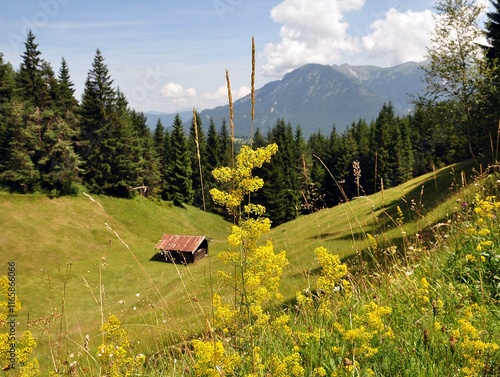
[231,110]
[231,114]
[197,142]
[252,93]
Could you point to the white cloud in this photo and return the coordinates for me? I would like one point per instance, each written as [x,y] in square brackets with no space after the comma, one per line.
[175,98]
[220,95]
[317,32]
[399,37]
[176,91]
[311,32]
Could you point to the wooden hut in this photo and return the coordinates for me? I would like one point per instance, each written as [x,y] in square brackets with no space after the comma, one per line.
[182,249]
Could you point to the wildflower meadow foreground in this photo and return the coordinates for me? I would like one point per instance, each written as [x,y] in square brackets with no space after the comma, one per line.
[412,308]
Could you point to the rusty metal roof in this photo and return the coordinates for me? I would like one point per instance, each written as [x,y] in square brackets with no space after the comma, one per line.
[180,243]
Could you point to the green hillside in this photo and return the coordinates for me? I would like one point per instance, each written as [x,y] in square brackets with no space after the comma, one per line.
[66,248]
[90,257]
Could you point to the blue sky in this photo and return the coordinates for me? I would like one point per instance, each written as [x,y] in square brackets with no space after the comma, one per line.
[169,56]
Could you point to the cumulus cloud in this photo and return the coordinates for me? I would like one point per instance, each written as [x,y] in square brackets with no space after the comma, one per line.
[311,32]
[174,97]
[399,37]
[172,90]
[220,95]
[317,32]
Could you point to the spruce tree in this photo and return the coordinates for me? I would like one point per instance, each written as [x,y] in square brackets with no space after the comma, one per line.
[213,155]
[302,163]
[7,85]
[97,106]
[348,154]
[66,101]
[180,173]
[18,171]
[280,194]
[159,137]
[197,146]
[225,157]
[149,162]
[213,147]
[166,163]
[30,83]
[404,153]
[109,148]
[55,156]
[317,146]
[7,81]
[381,148]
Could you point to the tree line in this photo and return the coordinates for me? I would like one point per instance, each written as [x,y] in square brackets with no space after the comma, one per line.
[52,143]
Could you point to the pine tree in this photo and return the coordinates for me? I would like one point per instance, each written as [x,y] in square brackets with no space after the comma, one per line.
[66,101]
[213,155]
[179,179]
[109,147]
[348,154]
[159,137]
[225,157]
[149,163]
[50,85]
[317,146]
[404,153]
[302,163]
[280,194]
[166,164]
[97,106]
[197,145]
[381,148]
[55,156]
[7,81]
[30,82]
[7,85]
[17,170]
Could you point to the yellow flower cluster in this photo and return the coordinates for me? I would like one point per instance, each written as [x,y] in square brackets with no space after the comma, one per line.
[331,282]
[113,354]
[257,269]
[332,271]
[486,208]
[364,327]
[424,293]
[281,324]
[373,242]
[473,349]
[212,360]
[286,366]
[241,176]
[9,342]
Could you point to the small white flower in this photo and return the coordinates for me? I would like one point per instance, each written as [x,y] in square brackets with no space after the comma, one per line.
[134,308]
[137,294]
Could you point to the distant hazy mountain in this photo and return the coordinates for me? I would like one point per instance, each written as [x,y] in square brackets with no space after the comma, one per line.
[167,119]
[320,96]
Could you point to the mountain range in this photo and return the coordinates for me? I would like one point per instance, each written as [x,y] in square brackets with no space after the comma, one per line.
[318,97]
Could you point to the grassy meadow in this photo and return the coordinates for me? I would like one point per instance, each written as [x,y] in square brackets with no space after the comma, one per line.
[81,260]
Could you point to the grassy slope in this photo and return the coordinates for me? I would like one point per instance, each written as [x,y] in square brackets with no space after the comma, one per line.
[424,201]
[43,236]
